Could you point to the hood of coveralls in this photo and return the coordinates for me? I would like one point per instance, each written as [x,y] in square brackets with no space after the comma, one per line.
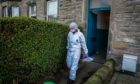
[73,27]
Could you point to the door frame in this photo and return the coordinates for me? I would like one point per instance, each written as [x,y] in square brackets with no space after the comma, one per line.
[88,26]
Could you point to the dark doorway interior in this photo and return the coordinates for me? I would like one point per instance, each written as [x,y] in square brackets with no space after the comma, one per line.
[98,35]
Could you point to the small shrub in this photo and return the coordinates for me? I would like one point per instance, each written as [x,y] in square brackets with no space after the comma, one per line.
[103,75]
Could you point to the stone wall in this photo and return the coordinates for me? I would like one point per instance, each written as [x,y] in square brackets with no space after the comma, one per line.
[70,10]
[124,37]
[22,5]
[41,9]
[24,8]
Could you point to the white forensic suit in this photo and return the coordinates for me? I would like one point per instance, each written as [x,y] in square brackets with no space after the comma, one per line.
[75,41]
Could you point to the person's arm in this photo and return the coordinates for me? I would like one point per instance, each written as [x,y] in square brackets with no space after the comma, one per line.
[67,42]
[83,43]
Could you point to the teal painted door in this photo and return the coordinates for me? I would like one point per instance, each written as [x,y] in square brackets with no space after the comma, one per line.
[91,33]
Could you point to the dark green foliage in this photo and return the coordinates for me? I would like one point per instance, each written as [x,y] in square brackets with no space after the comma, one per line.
[30,48]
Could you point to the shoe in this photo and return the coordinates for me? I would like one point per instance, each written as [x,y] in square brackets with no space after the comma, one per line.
[70,81]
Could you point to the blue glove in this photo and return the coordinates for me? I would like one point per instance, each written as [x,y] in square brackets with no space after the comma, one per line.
[86,55]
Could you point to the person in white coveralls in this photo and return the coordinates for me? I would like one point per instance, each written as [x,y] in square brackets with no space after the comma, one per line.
[75,41]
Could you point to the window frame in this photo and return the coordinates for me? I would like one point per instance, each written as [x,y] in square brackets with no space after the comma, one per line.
[29,11]
[47,9]
[12,8]
[5,12]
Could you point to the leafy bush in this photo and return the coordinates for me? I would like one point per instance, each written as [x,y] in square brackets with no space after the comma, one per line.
[30,48]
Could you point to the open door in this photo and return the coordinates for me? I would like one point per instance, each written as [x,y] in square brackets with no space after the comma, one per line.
[97,34]
[91,33]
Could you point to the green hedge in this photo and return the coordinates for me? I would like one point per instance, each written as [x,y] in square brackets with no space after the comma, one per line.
[30,48]
[103,75]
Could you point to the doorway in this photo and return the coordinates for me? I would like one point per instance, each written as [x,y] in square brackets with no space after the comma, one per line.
[97,34]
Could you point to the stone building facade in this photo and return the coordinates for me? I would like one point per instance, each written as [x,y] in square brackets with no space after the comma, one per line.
[67,10]
[124,33]
[8,4]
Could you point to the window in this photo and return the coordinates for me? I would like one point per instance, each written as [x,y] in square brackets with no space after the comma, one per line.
[15,11]
[5,11]
[52,9]
[32,11]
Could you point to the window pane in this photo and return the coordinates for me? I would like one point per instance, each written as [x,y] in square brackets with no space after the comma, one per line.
[52,9]
[32,10]
[5,11]
[15,11]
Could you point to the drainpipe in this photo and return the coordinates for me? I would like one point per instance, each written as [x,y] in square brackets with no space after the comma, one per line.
[84,14]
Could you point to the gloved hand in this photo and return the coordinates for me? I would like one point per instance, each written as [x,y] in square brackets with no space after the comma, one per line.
[86,55]
[87,58]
